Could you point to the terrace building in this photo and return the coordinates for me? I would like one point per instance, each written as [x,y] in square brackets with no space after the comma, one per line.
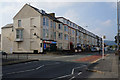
[34,30]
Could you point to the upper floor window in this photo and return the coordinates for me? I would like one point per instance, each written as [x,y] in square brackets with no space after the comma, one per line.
[51,24]
[45,33]
[66,28]
[19,23]
[54,35]
[60,35]
[54,25]
[43,21]
[73,32]
[73,25]
[70,23]
[19,33]
[67,22]
[47,22]
[60,26]
[65,36]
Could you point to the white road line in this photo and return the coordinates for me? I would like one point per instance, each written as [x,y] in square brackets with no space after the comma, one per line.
[64,76]
[77,68]
[26,70]
[72,78]
[75,76]
[33,69]
[39,67]
[79,73]
[61,77]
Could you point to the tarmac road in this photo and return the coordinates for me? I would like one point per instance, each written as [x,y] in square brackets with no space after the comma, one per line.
[50,68]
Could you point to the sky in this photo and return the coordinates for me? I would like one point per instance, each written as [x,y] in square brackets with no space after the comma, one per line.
[100,17]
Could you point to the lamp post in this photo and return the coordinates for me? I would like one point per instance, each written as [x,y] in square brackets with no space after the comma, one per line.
[103,37]
[118,28]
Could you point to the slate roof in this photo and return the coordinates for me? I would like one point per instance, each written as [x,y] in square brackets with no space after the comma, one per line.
[45,14]
[8,26]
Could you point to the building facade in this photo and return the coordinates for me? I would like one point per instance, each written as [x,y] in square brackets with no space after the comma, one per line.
[34,30]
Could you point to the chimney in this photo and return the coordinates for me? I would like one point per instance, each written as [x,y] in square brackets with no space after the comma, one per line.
[52,14]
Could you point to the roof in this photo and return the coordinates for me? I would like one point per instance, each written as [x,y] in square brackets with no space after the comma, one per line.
[8,26]
[45,14]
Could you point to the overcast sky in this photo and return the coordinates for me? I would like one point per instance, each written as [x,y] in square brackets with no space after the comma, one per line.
[100,17]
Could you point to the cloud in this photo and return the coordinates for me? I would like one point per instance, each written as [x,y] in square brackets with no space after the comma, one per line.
[50,5]
[107,23]
[71,14]
[58,0]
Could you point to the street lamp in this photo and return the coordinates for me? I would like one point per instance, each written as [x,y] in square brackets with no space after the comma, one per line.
[103,37]
[118,28]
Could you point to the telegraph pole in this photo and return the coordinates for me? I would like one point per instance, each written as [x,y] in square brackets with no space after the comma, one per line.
[118,28]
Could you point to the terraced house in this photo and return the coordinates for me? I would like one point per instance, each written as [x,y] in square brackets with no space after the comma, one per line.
[34,30]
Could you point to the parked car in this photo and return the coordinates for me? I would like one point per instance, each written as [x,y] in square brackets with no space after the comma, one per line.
[78,49]
[97,48]
[93,49]
[3,53]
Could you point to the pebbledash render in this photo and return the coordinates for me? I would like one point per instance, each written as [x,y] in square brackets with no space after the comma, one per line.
[34,30]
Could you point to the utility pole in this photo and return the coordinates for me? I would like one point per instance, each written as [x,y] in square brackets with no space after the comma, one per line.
[118,28]
[103,37]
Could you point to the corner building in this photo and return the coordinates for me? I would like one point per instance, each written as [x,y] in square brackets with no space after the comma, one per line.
[34,30]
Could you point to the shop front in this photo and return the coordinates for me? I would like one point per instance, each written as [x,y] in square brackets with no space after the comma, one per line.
[49,45]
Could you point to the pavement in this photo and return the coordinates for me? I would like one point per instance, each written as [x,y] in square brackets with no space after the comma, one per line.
[68,67]
[105,68]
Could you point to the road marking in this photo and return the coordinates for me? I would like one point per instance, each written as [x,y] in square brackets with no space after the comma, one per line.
[39,67]
[95,61]
[77,68]
[25,70]
[64,76]
[79,73]
[72,78]
[32,69]
[61,77]
[75,76]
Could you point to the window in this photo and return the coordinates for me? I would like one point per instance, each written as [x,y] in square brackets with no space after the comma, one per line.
[54,35]
[19,23]
[47,22]
[77,33]
[51,23]
[73,25]
[54,25]
[73,32]
[47,33]
[43,21]
[70,23]
[43,33]
[60,26]
[78,40]
[67,22]
[19,34]
[65,36]
[60,35]
[66,28]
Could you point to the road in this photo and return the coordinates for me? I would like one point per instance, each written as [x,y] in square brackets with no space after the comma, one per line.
[51,68]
